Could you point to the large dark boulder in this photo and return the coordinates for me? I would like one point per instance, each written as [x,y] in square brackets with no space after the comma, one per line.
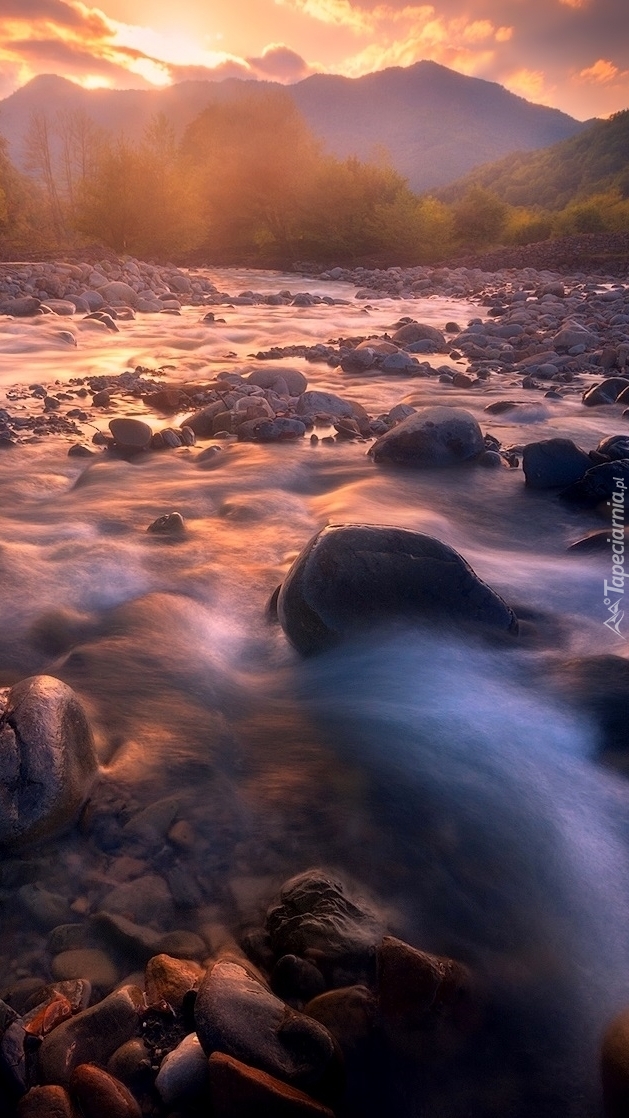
[554,463]
[605,392]
[47,760]
[599,483]
[439,436]
[350,576]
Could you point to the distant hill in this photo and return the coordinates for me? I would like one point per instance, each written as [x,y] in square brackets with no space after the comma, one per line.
[592,162]
[435,124]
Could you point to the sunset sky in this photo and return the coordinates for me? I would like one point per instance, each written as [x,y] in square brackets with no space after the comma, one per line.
[573,54]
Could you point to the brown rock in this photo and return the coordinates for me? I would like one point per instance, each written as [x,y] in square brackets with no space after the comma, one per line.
[89,963]
[413,985]
[615,1067]
[94,1034]
[46,1102]
[101,1096]
[348,1014]
[169,980]
[239,1091]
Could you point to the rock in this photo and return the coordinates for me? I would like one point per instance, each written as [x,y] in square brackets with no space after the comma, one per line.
[412,985]
[77,993]
[239,1091]
[598,686]
[351,576]
[615,1066]
[433,436]
[235,1014]
[13,1038]
[169,980]
[295,979]
[349,1014]
[554,463]
[45,909]
[571,334]
[130,434]
[417,332]
[134,939]
[170,524]
[605,392]
[99,1095]
[202,421]
[316,916]
[599,483]
[89,963]
[94,1034]
[271,430]
[614,447]
[60,306]
[22,307]
[46,1102]
[323,403]
[131,1064]
[144,899]
[47,760]
[183,1073]
[119,294]
[294,380]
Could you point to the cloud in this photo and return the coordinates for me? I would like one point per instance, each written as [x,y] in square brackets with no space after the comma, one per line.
[281,63]
[603,71]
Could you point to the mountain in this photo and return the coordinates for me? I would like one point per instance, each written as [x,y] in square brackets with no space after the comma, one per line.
[592,162]
[435,124]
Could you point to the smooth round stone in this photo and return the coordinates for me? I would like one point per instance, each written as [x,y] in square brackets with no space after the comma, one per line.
[348,1013]
[142,900]
[413,984]
[605,392]
[94,1034]
[433,436]
[614,447]
[349,577]
[324,403]
[236,1014]
[89,963]
[132,434]
[101,1096]
[554,463]
[294,380]
[170,524]
[183,1073]
[418,332]
[47,760]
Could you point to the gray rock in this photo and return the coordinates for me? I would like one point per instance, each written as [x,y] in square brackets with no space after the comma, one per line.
[170,524]
[606,392]
[315,915]
[130,434]
[417,332]
[614,447]
[323,403]
[434,436]
[554,463]
[47,760]
[571,334]
[119,294]
[351,576]
[22,307]
[294,380]
[183,1073]
[271,430]
[237,1015]
[598,484]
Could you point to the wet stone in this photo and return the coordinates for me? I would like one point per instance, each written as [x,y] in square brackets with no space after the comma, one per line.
[554,463]
[315,914]
[130,434]
[239,1091]
[184,1072]
[89,963]
[99,1095]
[51,1101]
[94,1034]
[433,436]
[169,979]
[413,984]
[169,524]
[237,1015]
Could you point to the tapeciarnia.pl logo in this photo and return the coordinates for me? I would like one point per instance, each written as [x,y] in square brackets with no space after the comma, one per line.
[614,590]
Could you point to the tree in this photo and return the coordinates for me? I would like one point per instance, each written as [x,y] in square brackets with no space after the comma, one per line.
[40,161]
[480,217]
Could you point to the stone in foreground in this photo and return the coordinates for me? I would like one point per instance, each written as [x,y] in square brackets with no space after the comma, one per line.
[237,1015]
[351,576]
[47,760]
[239,1091]
[554,463]
[315,915]
[439,436]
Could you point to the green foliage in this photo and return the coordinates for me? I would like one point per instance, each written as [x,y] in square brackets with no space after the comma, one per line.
[479,217]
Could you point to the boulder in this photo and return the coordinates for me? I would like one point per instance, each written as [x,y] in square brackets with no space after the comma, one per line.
[323,403]
[554,463]
[599,483]
[119,294]
[614,447]
[47,760]
[294,380]
[605,392]
[271,430]
[235,1014]
[315,915]
[418,332]
[433,436]
[130,434]
[571,334]
[350,576]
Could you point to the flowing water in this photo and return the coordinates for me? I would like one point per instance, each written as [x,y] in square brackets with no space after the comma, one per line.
[436,775]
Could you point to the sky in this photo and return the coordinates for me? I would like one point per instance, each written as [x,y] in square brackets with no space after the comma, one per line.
[571,54]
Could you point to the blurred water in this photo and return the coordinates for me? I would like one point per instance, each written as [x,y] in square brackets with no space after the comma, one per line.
[431,772]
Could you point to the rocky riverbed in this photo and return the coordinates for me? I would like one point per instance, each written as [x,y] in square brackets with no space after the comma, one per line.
[314,692]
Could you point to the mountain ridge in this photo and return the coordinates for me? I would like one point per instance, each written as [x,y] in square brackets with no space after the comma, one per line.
[435,124]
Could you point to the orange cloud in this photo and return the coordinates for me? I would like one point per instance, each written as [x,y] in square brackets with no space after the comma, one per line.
[603,72]
[530,84]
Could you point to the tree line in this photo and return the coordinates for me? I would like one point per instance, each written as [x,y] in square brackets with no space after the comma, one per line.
[248,183]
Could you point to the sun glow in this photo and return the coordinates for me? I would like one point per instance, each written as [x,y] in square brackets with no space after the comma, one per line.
[176,49]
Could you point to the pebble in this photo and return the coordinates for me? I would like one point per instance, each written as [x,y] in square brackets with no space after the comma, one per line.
[50,1101]
[94,1034]
[183,1073]
[169,979]
[99,1095]
[239,1091]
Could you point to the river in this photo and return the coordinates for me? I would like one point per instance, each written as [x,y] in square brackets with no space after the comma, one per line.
[438,777]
